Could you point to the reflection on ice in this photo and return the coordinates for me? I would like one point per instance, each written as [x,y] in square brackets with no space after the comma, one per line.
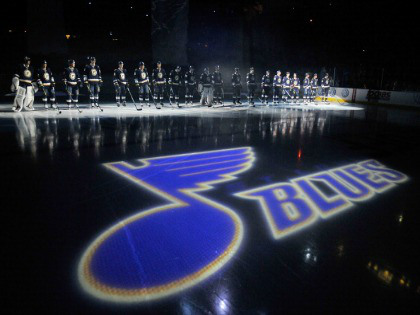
[48,132]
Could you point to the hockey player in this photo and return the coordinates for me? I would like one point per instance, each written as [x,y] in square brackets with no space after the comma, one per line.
[325,85]
[277,87]
[72,81]
[141,79]
[266,85]
[306,88]
[237,86]
[286,84]
[120,84]
[93,80]
[159,82]
[46,82]
[190,85]
[207,93]
[22,84]
[217,82]
[314,87]
[252,86]
[295,87]
[175,84]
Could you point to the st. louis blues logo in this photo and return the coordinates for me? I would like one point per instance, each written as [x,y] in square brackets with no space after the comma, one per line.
[160,251]
[345,92]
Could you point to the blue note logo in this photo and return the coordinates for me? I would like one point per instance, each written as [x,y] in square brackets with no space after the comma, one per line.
[171,247]
[160,251]
[345,92]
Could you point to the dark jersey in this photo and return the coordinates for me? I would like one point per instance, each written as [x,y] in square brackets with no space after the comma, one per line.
[286,82]
[296,82]
[306,82]
[251,79]
[325,82]
[141,76]
[314,83]
[71,76]
[277,81]
[190,78]
[175,77]
[120,76]
[206,80]
[25,74]
[159,76]
[236,79]
[216,78]
[92,74]
[45,77]
[266,80]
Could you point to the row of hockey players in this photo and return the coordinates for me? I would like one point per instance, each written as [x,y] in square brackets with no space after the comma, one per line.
[209,85]
[25,82]
[287,88]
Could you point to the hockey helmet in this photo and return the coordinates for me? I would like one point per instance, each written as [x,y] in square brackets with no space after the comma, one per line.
[141,63]
[326,75]
[26,59]
[44,62]
[92,59]
[71,61]
[236,69]
[206,69]
[159,63]
[217,68]
[315,74]
[178,69]
[120,63]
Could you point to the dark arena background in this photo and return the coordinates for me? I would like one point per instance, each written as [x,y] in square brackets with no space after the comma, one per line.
[140,190]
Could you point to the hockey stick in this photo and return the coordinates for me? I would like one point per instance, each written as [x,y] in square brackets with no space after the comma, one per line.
[56,105]
[223,97]
[168,94]
[71,99]
[288,93]
[132,98]
[90,93]
[154,102]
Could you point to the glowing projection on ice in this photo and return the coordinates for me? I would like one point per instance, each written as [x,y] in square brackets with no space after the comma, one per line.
[291,206]
[160,251]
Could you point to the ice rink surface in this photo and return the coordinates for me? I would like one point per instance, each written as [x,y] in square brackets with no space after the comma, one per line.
[111,110]
[223,210]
